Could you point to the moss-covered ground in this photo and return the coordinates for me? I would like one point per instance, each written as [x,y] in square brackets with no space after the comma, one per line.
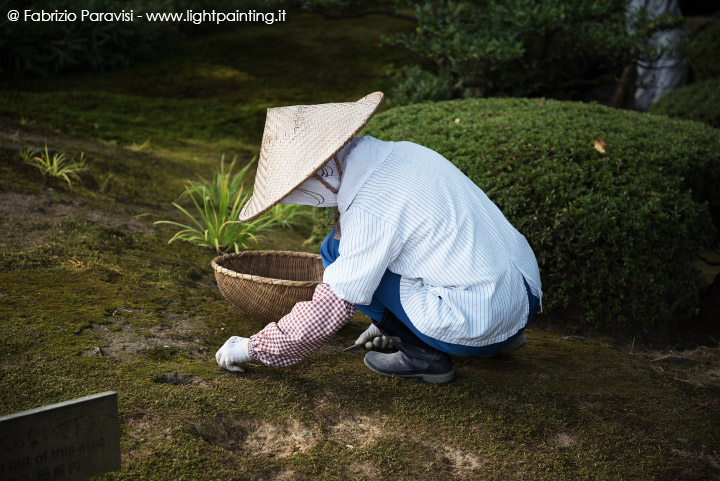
[93,299]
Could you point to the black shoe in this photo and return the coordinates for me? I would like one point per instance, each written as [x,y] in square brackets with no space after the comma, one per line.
[412,362]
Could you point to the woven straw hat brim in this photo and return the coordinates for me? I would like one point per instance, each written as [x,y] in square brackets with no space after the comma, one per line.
[297,141]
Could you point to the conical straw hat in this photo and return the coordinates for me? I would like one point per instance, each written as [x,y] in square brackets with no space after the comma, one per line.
[298,140]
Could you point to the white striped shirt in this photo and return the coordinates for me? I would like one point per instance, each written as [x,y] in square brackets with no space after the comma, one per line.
[461,262]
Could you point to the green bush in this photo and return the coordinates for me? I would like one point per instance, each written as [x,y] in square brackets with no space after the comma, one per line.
[614,233]
[703,53]
[479,48]
[699,101]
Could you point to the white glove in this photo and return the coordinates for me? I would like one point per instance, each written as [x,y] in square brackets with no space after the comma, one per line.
[373,338]
[233,352]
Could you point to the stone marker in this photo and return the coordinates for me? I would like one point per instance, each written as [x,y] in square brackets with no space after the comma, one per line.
[71,440]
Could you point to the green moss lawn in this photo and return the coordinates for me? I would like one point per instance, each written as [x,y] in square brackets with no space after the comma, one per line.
[93,299]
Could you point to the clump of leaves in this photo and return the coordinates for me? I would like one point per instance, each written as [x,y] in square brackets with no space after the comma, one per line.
[223,181]
[135,147]
[217,204]
[104,182]
[289,216]
[56,164]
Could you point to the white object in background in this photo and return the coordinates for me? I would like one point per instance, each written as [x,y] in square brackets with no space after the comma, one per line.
[669,71]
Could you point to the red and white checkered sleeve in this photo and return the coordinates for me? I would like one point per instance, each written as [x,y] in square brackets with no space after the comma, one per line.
[307,327]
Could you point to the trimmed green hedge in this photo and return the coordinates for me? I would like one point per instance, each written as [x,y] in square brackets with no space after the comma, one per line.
[703,53]
[615,233]
[699,101]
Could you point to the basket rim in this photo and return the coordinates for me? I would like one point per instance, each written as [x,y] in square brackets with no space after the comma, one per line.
[261,279]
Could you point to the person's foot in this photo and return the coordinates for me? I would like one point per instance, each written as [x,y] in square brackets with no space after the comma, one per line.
[412,362]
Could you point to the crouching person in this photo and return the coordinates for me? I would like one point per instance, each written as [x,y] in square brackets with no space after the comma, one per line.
[418,247]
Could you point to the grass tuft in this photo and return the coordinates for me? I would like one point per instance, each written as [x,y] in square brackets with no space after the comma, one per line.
[217,203]
[58,165]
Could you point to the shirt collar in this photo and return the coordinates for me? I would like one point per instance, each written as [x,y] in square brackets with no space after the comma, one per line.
[361,156]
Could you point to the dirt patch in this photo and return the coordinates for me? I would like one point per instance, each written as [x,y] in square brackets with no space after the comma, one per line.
[179,379]
[463,463]
[140,431]
[145,425]
[462,460]
[357,430]
[274,440]
[284,475]
[564,440]
[126,340]
[23,206]
[354,430]
[589,406]
[365,470]
[257,438]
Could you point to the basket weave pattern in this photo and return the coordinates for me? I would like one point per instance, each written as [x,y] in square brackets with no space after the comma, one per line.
[267,284]
[297,141]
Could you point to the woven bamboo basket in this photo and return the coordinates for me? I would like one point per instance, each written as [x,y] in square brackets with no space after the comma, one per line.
[267,284]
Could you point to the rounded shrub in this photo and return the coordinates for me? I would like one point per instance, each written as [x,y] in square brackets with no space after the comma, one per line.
[699,101]
[615,233]
[703,52]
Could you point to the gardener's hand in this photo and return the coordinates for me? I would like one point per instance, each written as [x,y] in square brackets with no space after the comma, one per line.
[373,338]
[233,353]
